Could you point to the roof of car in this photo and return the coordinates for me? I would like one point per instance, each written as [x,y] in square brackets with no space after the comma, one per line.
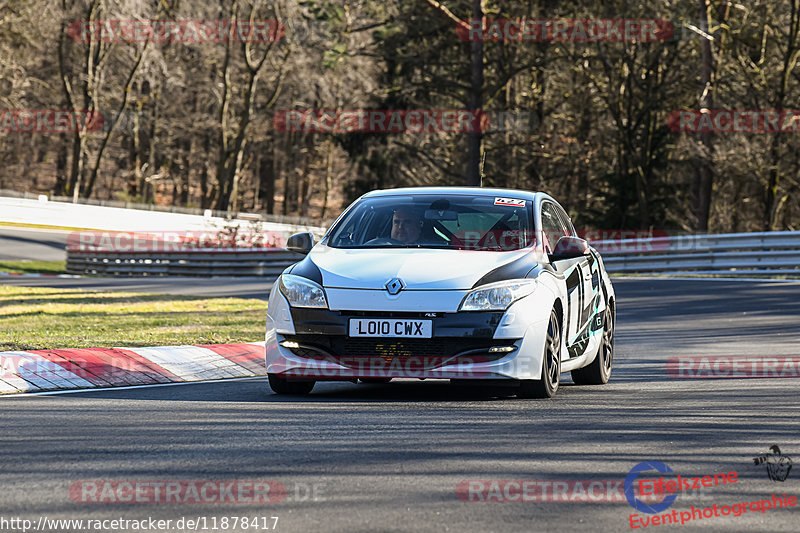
[477,191]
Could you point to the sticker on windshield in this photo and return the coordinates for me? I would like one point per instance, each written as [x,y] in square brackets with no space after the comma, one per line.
[509,201]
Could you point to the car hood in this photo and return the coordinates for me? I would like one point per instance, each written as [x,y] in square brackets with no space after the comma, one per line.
[419,268]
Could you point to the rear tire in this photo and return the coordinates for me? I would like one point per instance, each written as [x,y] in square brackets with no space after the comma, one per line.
[280,385]
[599,371]
[547,386]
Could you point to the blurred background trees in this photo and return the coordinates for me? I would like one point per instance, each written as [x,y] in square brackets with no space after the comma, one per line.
[191,123]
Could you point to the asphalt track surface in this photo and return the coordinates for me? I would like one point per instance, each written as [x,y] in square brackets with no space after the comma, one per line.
[389,457]
[26,244]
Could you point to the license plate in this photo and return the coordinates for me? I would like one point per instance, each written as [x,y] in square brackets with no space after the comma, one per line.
[391,327]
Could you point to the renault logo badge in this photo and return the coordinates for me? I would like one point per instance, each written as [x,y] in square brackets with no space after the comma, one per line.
[394,286]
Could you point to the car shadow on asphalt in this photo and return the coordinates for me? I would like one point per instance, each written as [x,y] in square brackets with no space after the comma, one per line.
[258,391]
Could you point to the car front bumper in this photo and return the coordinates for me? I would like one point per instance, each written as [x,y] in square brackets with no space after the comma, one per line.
[315,344]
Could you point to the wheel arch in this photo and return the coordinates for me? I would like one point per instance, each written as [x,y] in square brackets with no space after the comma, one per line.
[558,305]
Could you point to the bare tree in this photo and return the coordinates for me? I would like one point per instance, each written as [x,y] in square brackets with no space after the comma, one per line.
[232,119]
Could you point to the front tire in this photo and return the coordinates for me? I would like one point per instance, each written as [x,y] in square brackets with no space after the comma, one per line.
[599,371]
[280,385]
[547,386]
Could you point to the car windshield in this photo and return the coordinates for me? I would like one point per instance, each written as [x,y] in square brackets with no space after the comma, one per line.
[460,222]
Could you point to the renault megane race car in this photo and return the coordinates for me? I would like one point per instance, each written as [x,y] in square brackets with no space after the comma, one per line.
[486,285]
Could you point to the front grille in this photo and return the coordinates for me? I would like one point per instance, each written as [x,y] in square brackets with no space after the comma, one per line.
[365,347]
[354,351]
[390,314]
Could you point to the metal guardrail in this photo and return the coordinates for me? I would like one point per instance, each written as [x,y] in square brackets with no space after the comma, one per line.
[770,253]
[268,263]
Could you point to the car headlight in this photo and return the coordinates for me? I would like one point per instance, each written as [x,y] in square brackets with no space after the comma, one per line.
[497,296]
[302,292]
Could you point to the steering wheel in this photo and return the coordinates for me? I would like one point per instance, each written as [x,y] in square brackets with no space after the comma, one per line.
[384,240]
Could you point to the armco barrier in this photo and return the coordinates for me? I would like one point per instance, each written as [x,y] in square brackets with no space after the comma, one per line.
[771,253]
[212,262]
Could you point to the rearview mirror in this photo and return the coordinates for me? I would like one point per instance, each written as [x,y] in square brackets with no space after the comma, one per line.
[444,214]
[569,247]
[300,243]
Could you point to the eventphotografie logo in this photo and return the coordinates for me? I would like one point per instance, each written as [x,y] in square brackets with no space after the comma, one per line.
[667,489]
[630,485]
[778,465]
[694,514]
[655,514]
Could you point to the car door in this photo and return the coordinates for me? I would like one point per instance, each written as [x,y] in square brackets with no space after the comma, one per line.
[577,273]
[590,319]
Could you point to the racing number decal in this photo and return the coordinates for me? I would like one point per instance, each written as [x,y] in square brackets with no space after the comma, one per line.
[573,284]
[587,308]
[586,312]
[594,266]
[513,202]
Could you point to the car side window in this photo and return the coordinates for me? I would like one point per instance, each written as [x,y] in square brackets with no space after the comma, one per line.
[565,220]
[553,227]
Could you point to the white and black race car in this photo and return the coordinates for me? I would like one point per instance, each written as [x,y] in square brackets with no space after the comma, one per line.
[487,285]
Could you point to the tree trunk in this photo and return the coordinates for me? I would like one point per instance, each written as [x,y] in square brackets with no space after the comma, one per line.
[184,176]
[772,197]
[206,196]
[61,167]
[703,183]
[304,185]
[266,180]
[328,178]
[475,139]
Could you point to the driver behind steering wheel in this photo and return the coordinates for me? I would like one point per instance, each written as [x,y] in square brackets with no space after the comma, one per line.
[406,225]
